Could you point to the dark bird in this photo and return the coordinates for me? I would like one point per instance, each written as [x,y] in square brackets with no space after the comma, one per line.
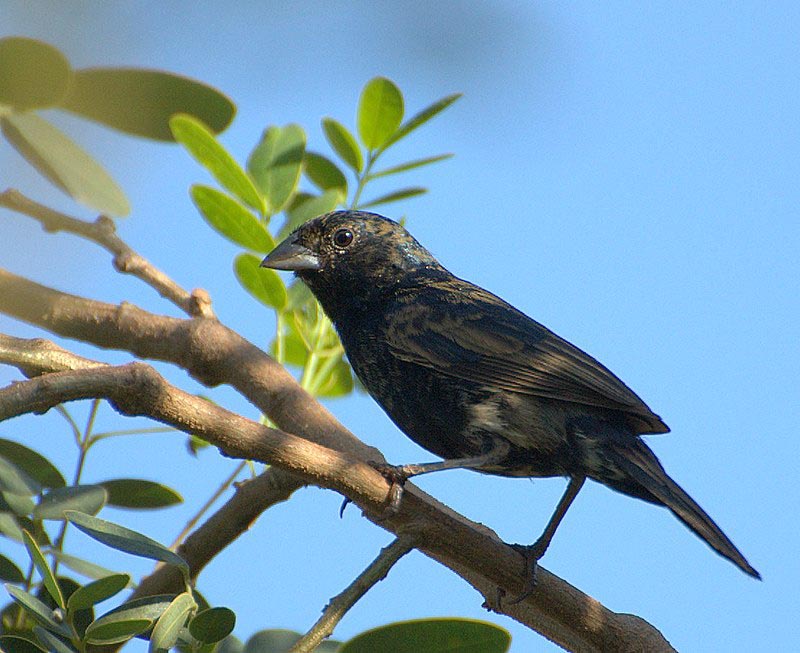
[475,381]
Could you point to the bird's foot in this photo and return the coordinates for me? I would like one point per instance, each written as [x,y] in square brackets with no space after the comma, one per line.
[397,475]
[531,553]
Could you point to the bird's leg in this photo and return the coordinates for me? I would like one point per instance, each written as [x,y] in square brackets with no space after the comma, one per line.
[534,552]
[399,474]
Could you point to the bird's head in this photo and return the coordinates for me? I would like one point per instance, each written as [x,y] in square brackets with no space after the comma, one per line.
[344,253]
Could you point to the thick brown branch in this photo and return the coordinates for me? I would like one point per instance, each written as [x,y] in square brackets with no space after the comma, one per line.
[103,231]
[556,609]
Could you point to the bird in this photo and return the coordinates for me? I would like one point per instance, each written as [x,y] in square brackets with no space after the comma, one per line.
[475,381]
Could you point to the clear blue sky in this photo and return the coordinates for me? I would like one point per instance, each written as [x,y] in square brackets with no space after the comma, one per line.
[626,173]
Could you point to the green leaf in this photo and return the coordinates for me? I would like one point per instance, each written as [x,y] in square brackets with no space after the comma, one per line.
[97,591]
[115,631]
[231,219]
[19,504]
[276,162]
[212,625]
[202,145]
[51,643]
[9,571]
[37,610]
[395,196]
[432,636]
[32,463]
[15,480]
[230,644]
[139,493]
[276,640]
[262,283]
[338,382]
[421,118]
[295,351]
[64,163]
[124,539]
[410,165]
[48,579]
[83,498]
[308,208]
[33,74]
[14,644]
[9,526]
[380,111]
[168,627]
[343,143]
[81,566]
[141,102]
[324,173]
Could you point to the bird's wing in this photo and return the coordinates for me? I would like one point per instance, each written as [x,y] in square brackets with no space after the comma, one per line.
[475,335]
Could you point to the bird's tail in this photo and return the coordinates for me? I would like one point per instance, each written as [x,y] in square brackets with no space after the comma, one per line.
[646,479]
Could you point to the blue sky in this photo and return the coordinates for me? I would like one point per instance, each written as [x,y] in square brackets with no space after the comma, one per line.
[625,173]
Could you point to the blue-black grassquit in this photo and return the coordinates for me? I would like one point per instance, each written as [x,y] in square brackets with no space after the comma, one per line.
[475,381]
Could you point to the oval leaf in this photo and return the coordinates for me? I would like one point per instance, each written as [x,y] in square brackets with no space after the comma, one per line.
[37,610]
[141,102]
[14,644]
[48,579]
[124,539]
[33,74]
[380,112]
[263,283]
[396,196]
[410,165]
[16,481]
[9,571]
[32,463]
[324,173]
[64,163]
[51,643]
[83,498]
[432,636]
[205,148]
[421,118]
[343,143]
[19,504]
[115,631]
[9,526]
[97,591]
[337,383]
[310,207]
[168,627]
[81,566]
[139,493]
[276,162]
[275,640]
[231,219]
[212,625]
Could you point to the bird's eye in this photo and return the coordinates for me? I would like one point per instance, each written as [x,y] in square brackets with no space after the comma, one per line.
[342,238]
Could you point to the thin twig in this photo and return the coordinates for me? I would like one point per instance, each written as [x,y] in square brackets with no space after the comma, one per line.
[341,603]
[103,231]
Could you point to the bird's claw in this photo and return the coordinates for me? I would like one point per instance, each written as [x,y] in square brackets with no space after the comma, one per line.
[531,554]
[397,475]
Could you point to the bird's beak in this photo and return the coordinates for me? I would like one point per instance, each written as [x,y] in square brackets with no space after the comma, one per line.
[291,255]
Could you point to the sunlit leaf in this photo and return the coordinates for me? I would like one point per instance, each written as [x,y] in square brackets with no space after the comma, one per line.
[141,102]
[115,630]
[212,625]
[263,283]
[395,196]
[432,636]
[421,118]
[83,498]
[205,148]
[64,163]
[19,504]
[81,566]
[231,219]
[139,493]
[36,609]
[48,579]
[15,480]
[276,162]
[338,382]
[168,627]
[310,208]
[9,526]
[324,173]
[33,74]
[98,591]
[380,112]
[9,571]
[51,643]
[343,143]
[32,463]
[410,165]
[125,539]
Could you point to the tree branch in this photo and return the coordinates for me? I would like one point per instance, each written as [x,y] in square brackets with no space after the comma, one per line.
[557,610]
